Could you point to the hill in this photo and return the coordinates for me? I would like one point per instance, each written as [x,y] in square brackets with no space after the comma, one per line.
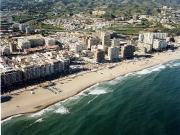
[113,7]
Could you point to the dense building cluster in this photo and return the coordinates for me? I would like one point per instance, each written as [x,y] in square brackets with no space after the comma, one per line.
[153,41]
[26,68]
[169,15]
[80,21]
[30,57]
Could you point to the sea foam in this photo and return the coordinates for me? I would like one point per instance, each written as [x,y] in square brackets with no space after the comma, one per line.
[116,81]
[98,91]
[143,72]
[39,120]
[92,99]
[62,110]
[151,69]
[157,68]
[40,113]
[10,118]
[59,108]
[129,74]
[177,64]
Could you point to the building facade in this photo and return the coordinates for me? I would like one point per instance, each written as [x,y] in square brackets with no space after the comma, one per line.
[152,41]
[127,51]
[30,68]
[113,53]
[99,56]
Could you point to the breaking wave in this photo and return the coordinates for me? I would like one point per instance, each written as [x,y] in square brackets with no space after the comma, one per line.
[92,99]
[98,92]
[40,113]
[151,69]
[39,120]
[176,64]
[62,110]
[10,118]
[173,64]
[116,81]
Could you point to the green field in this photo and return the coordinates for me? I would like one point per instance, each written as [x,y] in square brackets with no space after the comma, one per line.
[48,27]
[128,29]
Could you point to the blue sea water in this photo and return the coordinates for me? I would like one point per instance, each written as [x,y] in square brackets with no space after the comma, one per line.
[146,102]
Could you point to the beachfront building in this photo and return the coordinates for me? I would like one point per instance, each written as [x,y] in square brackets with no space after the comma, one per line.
[115,42]
[106,42]
[99,56]
[159,45]
[152,41]
[32,67]
[10,76]
[105,38]
[127,51]
[113,53]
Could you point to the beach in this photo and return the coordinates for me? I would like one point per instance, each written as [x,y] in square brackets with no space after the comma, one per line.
[25,102]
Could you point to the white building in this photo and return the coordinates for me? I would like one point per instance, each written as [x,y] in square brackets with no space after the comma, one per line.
[92,41]
[32,67]
[22,27]
[98,12]
[115,42]
[105,38]
[100,47]
[159,44]
[27,42]
[50,41]
[149,41]
[23,44]
[113,53]
[76,48]
[177,39]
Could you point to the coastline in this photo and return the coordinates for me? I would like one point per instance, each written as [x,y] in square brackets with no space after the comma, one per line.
[24,102]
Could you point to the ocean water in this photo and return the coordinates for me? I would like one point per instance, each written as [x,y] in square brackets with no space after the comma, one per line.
[146,102]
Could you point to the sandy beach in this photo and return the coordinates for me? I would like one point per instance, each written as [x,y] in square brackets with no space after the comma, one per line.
[25,102]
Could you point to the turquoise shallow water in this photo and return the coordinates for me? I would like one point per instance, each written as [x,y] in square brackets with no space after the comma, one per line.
[146,102]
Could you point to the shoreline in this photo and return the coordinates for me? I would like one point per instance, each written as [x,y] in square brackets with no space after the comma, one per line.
[46,98]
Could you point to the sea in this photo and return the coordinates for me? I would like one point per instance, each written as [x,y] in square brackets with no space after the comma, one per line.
[145,102]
